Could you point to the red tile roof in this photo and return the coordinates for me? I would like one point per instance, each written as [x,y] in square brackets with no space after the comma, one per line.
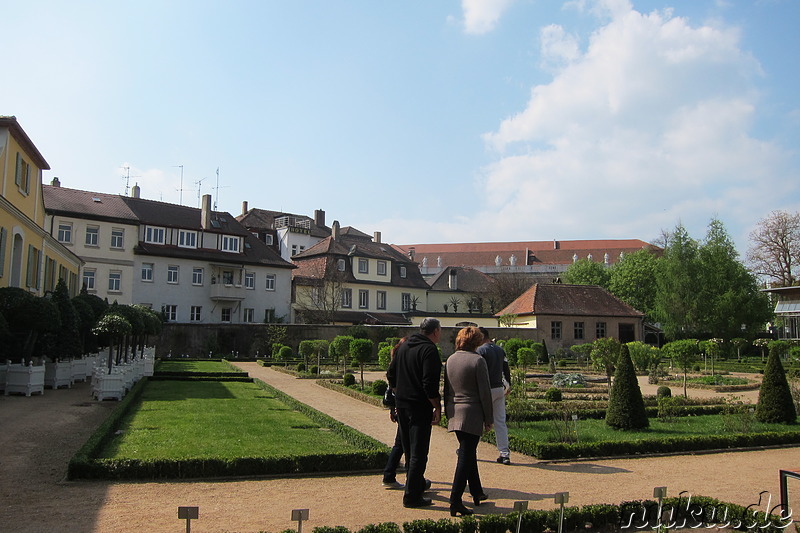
[563,299]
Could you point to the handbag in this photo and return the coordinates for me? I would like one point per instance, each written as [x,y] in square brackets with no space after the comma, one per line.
[388,397]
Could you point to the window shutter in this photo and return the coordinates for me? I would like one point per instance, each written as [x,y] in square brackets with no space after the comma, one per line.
[18,172]
[3,239]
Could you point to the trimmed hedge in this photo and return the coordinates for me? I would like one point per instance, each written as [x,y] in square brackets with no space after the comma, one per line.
[353,393]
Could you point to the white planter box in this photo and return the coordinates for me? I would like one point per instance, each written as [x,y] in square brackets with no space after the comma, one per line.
[25,379]
[108,386]
[78,370]
[91,362]
[3,370]
[149,364]
[58,374]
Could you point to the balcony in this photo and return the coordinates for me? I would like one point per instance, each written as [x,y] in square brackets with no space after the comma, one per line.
[227,293]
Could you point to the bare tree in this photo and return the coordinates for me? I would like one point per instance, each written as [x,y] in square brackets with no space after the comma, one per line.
[319,293]
[775,248]
[505,289]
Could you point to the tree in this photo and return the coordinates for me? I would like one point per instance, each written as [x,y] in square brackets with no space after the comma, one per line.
[729,295]
[306,349]
[66,340]
[340,346]
[683,353]
[587,272]
[115,327]
[361,350]
[525,357]
[775,248]
[625,404]
[506,288]
[643,355]
[604,355]
[29,319]
[677,287]
[319,292]
[738,343]
[775,403]
[320,347]
[633,280]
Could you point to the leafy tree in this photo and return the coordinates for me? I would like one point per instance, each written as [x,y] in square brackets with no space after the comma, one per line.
[341,348]
[625,404]
[361,350]
[384,356]
[29,319]
[587,272]
[306,350]
[780,347]
[683,353]
[359,331]
[511,346]
[643,355]
[775,403]
[712,349]
[525,357]
[583,351]
[66,339]
[775,248]
[604,355]
[633,280]
[738,343]
[677,287]
[539,352]
[115,327]
[320,348]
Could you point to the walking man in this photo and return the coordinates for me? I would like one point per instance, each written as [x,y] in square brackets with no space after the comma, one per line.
[414,375]
[499,381]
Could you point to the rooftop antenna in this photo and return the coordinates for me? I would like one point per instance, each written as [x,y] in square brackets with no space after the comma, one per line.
[127,179]
[198,182]
[216,196]
[180,196]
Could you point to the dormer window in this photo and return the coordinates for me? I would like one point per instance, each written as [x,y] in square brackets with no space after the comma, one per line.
[154,235]
[402,271]
[340,265]
[187,239]
[230,243]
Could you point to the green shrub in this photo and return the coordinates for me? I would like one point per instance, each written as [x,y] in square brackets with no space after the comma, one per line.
[553,395]
[379,387]
[511,346]
[384,356]
[314,369]
[626,405]
[775,402]
[301,367]
[663,392]
[349,380]
[668,408]
[383,527]
[285,353]
[358,331]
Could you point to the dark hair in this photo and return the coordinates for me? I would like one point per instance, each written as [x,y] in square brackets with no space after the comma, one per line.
[484,331]
[429,325]
[469,339]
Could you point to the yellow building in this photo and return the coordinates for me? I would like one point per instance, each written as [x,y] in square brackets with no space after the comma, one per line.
[30,258]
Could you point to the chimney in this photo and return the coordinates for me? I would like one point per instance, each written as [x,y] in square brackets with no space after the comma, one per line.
[335,230]
[555,244]
[244,207]
[319,218]
[377,237]
[452,280]
[136,192]
[411,252]
[56,182]
[205,214]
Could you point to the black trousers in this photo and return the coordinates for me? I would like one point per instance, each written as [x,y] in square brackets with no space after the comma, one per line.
[466,467]
[415,431]
[390,471]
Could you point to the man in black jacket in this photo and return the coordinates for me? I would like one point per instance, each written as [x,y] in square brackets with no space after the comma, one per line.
[414,374]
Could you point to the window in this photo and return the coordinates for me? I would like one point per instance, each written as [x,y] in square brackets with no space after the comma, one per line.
[578,330]
[170,312]
[270,286]
[65,232]
[363,266]
[195,313]
[268,239]
[406,301]
[297,249]
[227,277]
[88,279]
[187,239]
[381,300]
[117,238]
[402,271]
[249,315]
[225,314]
[340,265]
[34,260]
[154,235]
[147,271]
[363,299]
[22,176]
[3,243]
[230,243]
[172,273]
[269,316]
[92,235]
[600,330]
[114,281]
[347,298]
[381,268]
[249,280]
[555,329]
[197,276]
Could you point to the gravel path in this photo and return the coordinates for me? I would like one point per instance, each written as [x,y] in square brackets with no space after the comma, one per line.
[39,434]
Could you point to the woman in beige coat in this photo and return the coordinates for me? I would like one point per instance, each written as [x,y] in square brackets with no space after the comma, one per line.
[468,406]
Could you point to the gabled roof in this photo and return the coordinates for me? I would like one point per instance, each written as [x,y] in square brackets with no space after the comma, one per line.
[24,141]
[573,300]
[467,280]
[87,204]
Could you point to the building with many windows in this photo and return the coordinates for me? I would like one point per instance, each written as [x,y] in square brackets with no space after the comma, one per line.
[30,257]
[195,265]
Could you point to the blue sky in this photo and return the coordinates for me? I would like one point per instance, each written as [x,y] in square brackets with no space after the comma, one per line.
[445,121]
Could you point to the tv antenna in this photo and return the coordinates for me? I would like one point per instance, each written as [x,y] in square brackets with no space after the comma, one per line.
[198,183]
[180,191]
[127,179]
[216,196]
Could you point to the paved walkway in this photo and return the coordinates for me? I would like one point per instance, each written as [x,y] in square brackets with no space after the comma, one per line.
[34,497]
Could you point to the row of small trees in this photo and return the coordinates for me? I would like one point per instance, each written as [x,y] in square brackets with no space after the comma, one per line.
[56,327]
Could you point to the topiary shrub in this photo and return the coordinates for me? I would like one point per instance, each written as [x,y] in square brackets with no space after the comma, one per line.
[552,395]
[349,380]
[285,353]
[775,402]
[314,369]
[663,392]
[625,404]
[379,387]
[301,367]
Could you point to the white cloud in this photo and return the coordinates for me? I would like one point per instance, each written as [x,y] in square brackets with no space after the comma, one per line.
[481,16]
[647,126]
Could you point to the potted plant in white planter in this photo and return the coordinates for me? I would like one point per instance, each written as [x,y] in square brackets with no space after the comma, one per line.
[111,385]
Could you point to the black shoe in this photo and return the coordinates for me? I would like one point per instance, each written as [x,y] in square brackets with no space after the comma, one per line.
[427,484]
[479,498]
[422,502]
[458,508]
[503,459]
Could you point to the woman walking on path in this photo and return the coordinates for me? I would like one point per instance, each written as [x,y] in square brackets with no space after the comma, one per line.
[468,406]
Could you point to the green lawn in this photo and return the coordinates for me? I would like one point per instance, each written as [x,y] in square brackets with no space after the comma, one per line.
[192,366]
[597,430]
[188,420]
